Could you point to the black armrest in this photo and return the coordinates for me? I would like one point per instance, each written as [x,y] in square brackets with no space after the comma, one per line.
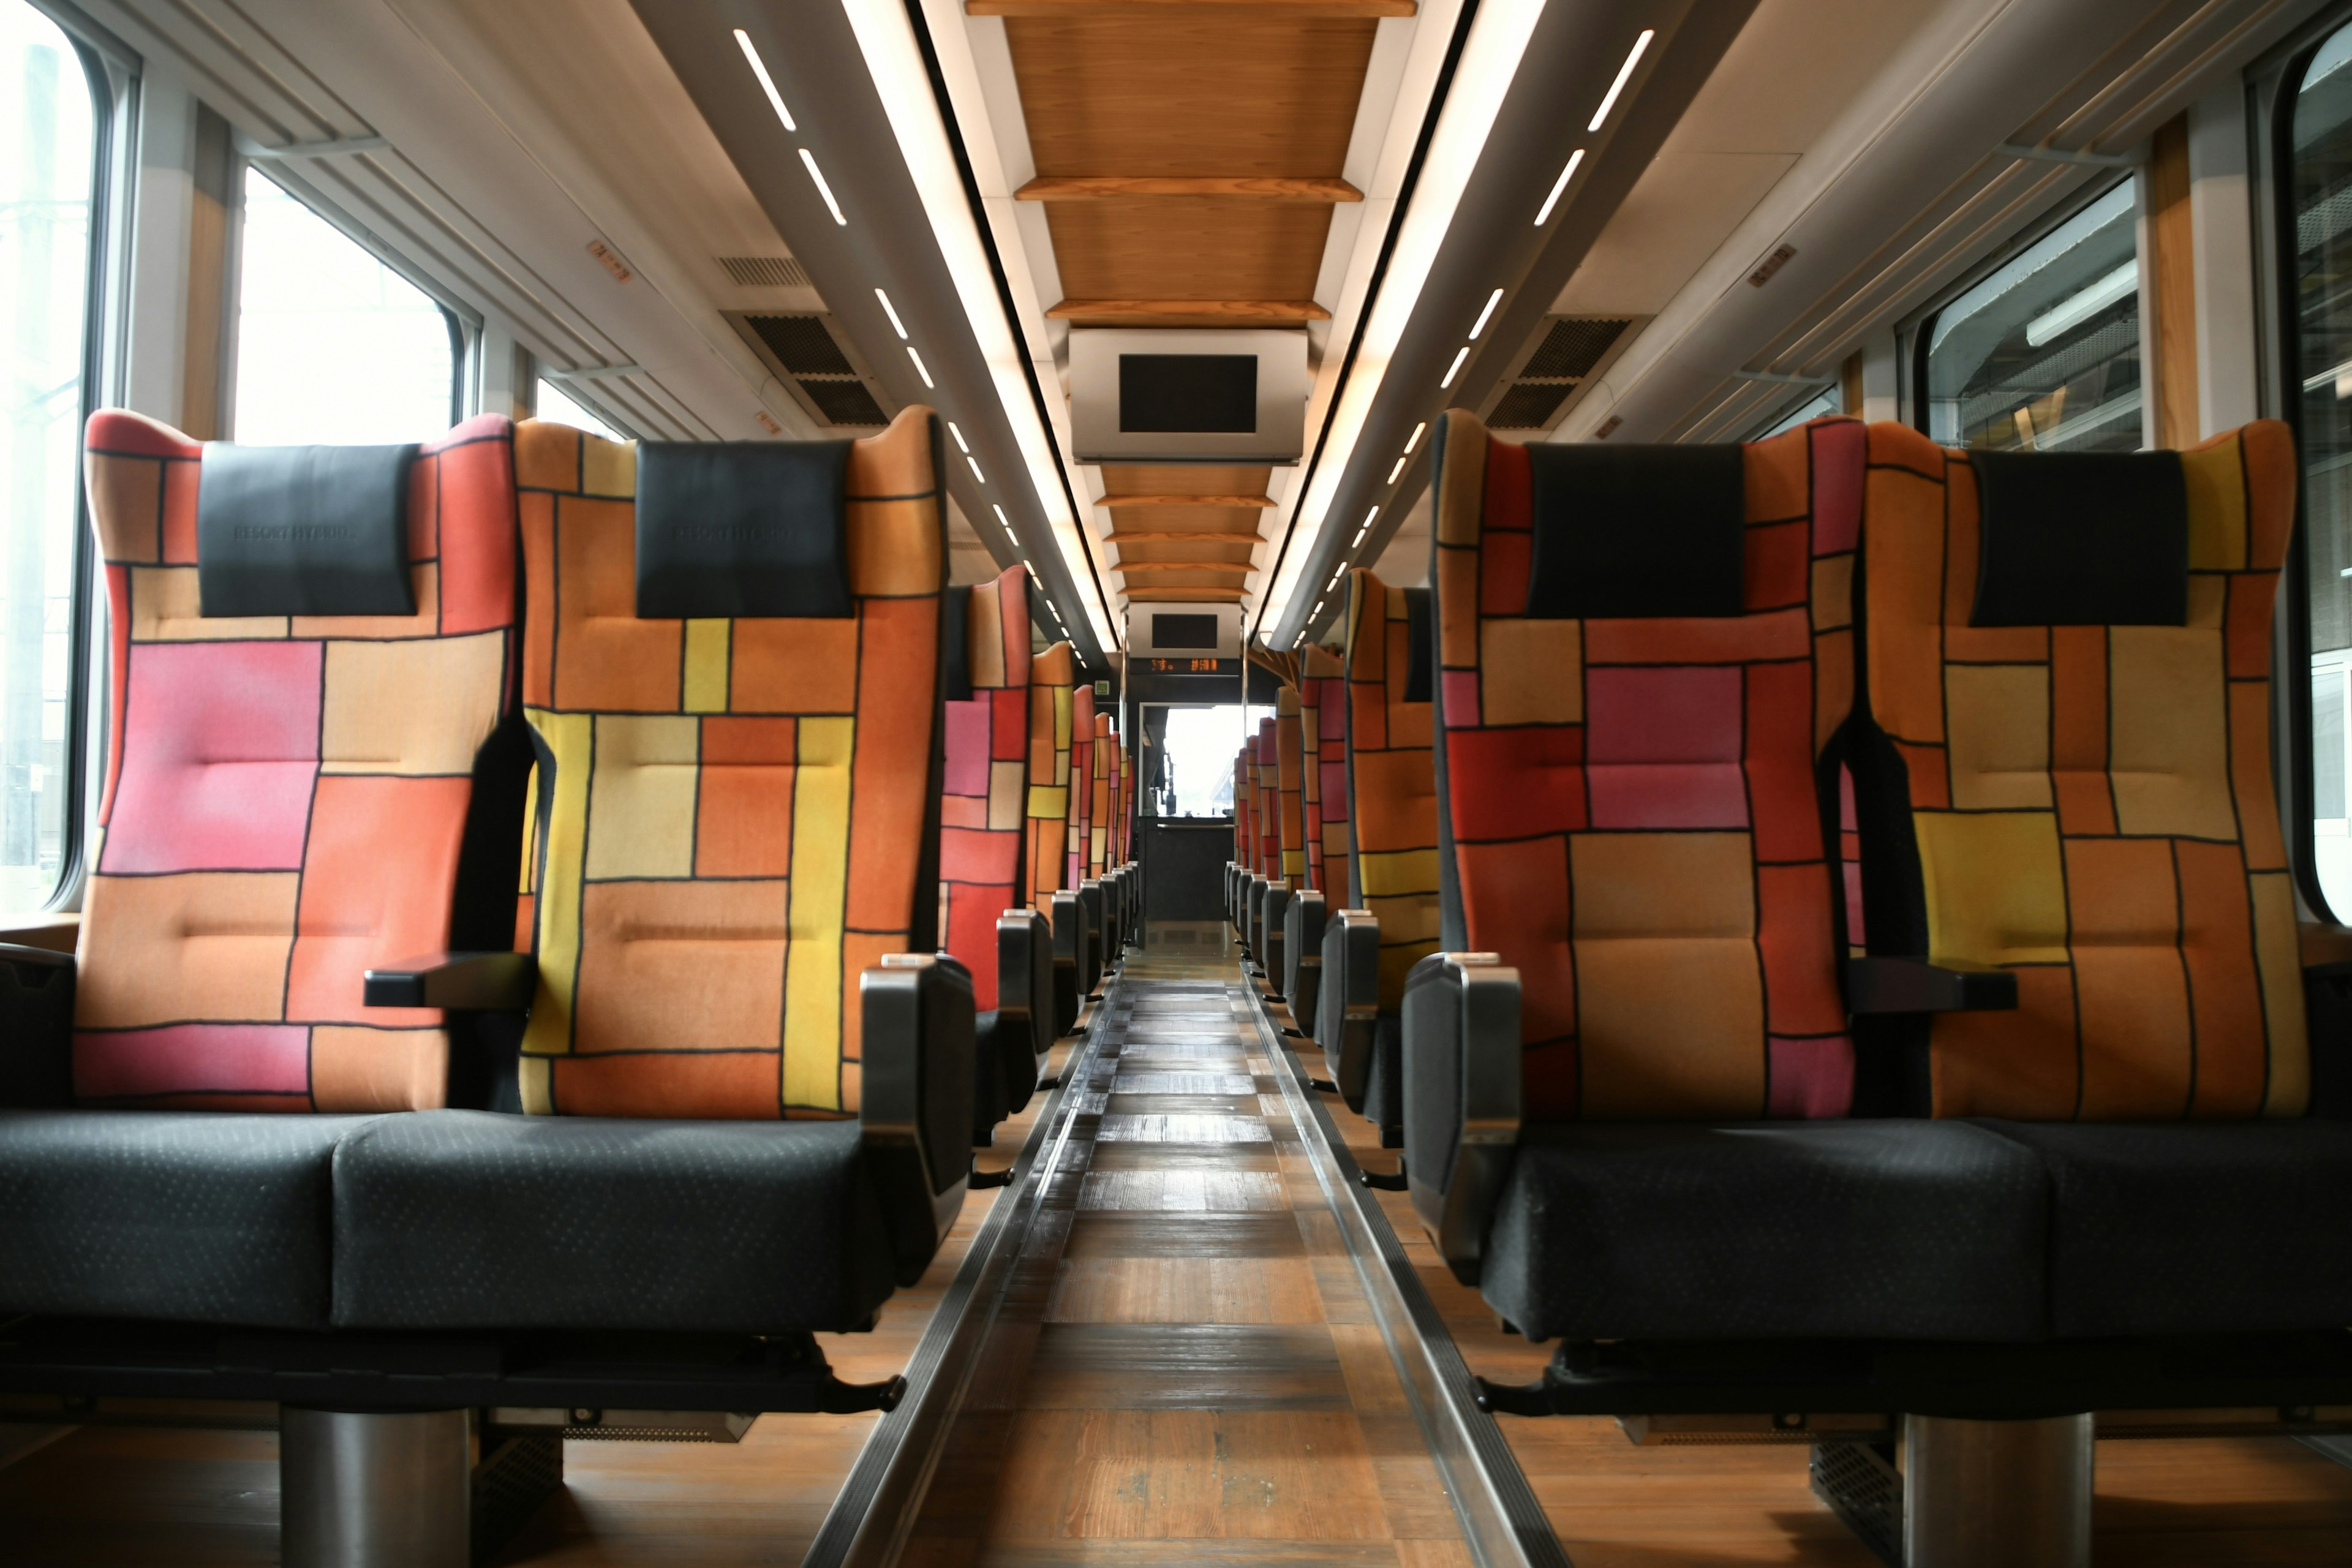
[1348,1013]
[1462,1098]
[1302,957]
[1025,1003]
[1091,911]
[1273,907]
[1069,961]
[1916,985]
[915,1097]
[37,1008]
[484,982]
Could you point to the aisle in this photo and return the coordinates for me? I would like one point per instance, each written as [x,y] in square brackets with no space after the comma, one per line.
[1185,1369]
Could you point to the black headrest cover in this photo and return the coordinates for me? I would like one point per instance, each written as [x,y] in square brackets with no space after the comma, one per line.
[1420,646]
[2081,538]
[742,528]
[955,644]
[1634,532]
[303,530]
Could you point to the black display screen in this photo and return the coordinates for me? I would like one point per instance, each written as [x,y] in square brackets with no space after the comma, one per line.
[1188,394]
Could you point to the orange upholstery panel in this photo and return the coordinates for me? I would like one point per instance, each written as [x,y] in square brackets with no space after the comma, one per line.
[1391,784]
[1082,783]
[2092,806]
[1290,786]
[985,780]
[1050,699]
[1633,812]
[286,795]
[1323,744]
[1098,797]
[1265,800]
[708,893]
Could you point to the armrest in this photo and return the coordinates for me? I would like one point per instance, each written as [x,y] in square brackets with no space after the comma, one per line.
[1273,908]
[915,1098]
[1025,1003]
[485,981]
[1916,985]
[1069,961]
[1349,1010]
[37,1009]
[1462,1098]
[1091,913]
[1302,957]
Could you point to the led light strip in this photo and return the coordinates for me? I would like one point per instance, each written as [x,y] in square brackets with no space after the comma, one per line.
[1490,60]
[886,39]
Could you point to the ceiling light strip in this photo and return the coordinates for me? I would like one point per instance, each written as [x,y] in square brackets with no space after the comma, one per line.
[1624,74]
[1479,326]
[899,326]
[1490,60]
[808,161]
[767,82]
[885,37]
[1559,186]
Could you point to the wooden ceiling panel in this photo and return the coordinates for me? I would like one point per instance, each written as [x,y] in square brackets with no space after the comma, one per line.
[1243,94]
[1182,479]
[1236,550]
[1187,248]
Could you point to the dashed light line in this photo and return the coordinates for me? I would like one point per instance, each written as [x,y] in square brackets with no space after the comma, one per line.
[809,159]
[1491,300]
[767,82]
[1624,72]
[1543,214]
[1414,439]
[921,369]
[1455,368]
[898,326]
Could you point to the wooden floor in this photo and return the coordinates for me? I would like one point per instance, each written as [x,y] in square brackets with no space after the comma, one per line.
[1185,1373]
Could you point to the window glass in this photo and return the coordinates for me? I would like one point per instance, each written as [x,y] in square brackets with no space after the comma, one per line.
[2043,355]
[551,402]
[1828,400]
[334,348]
[1195,774]
[48,169]
[2319,198]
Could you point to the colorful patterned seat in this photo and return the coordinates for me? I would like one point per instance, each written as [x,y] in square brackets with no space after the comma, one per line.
[313,766]
[984,918]
[1053,894]
[735,804]
[2066,777]
[1640,918]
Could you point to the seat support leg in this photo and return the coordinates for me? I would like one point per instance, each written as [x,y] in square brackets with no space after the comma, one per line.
[374,1489]
[1996,1494]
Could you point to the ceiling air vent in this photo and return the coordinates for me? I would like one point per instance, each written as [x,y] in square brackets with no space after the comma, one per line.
[766,272]
[1570,351]
[818,366]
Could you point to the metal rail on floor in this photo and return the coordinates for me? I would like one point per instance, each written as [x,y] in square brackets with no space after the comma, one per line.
[867,1525]
[1500,1518]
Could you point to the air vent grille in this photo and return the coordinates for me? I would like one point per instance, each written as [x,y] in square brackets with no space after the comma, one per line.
[1572,348]
[845,402]
[801,345]
[765,271]
[1530,405]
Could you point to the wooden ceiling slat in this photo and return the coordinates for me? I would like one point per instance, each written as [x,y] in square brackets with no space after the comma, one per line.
[1186,500]
[1142,311]
[1235,568]
[1143,595]
[1164,7]
[1231,187]
[1155,536]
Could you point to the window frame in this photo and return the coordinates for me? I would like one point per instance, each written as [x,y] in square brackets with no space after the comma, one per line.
[2272,86]
[111,73]
[464,326]
[1919,330]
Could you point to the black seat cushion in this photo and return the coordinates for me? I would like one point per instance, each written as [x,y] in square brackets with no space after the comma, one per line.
[469,1219]
[2187,1228]
[1770,1230]
[192,1217]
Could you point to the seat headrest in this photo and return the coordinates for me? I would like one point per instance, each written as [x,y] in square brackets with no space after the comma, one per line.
[303,530]
[2081,538]
[731,529]
[1624,533]
[1420,648]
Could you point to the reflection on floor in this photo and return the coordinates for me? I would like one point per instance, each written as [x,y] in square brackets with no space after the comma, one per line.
[1185,1371]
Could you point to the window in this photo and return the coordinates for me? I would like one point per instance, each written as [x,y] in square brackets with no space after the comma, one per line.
[551,402]
[2318,204]
[49,128]
[2044,354]
[1189,757]
[1828,400]
[334,347]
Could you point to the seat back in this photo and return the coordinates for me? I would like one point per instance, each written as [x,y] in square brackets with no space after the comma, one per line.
[1628,724]
[2066,774]
[738,813]
[1392,774]
[1082,783]
[1050,700]
[1100,809]
[985,780]
[1265,799]
[291,797]
[1323,774]
[1290,787]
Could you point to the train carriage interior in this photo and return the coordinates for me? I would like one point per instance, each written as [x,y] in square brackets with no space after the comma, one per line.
[1453,784]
